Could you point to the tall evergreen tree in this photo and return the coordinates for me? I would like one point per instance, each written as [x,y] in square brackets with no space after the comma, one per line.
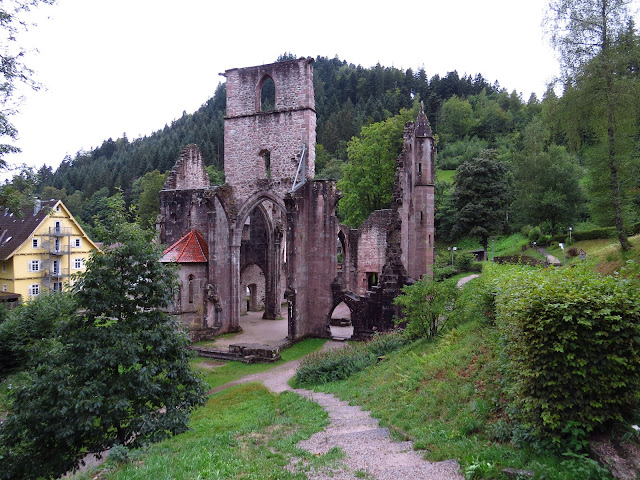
[481,196]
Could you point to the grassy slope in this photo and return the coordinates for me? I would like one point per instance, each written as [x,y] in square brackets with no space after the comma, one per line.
[444,395]
[604,254]
[244,432]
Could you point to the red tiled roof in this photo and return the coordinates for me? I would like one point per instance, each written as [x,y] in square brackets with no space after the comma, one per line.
[190,248]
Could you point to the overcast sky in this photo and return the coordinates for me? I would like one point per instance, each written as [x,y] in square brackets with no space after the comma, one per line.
[116,66]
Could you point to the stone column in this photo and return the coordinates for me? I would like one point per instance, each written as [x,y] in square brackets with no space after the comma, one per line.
[235,284]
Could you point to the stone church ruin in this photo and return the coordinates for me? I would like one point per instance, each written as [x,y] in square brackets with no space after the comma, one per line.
[271,230]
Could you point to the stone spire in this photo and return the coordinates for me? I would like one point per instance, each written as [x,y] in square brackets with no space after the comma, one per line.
[423,129]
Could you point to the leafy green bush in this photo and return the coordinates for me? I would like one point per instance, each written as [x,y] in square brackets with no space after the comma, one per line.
[426,305]
[443,273]
[28,324]
[534,234]
[331,365]
[572,348]
[593,234]
[544,240]
[476,267]
[463,261]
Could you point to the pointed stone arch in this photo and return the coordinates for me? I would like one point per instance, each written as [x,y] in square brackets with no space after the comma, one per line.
[266,94]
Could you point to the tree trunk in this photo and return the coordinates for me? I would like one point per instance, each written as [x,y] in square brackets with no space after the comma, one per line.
[614,182]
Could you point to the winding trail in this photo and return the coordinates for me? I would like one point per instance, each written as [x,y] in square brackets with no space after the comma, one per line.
[369,451]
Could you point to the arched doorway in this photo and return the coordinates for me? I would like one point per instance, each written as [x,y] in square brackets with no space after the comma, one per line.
[340,322]
[261,257]
[253,285]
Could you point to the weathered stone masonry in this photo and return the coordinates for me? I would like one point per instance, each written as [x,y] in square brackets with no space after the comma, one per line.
[258,225]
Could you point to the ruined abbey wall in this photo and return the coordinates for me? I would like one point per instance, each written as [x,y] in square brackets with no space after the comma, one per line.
[251,134]
[260,229]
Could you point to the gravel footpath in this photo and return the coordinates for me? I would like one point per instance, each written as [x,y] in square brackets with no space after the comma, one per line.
[369,451]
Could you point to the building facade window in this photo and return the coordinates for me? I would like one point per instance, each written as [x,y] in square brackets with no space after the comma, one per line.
[4,287]
[34,290]
[34,265]
[78,263]
[77,242]
[35,243]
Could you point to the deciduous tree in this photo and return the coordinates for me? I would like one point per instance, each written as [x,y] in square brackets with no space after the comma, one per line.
[12,67]
[118,372]
[602,87]
[367,182]
[547,181]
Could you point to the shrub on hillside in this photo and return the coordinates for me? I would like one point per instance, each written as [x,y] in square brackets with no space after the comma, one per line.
[331,365]
[442,273]
[463,261]
[572,347]
[426,306]
[476,267]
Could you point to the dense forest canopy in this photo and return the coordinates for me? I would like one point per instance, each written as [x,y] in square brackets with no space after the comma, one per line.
[534,139]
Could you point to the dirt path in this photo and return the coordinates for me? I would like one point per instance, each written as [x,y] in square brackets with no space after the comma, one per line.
[464,280]
[369,451]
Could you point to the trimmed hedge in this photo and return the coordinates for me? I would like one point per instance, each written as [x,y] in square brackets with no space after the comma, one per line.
[572,347]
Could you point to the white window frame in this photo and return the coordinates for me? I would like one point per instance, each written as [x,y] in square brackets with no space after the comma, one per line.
[4,287]
[77,243]
[78,263]
[34,290]
[34,265]
[35,243]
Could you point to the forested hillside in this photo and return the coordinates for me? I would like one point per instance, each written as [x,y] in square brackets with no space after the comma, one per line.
[348,97]
[550,160]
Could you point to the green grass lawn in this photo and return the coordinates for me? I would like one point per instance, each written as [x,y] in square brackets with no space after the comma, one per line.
[245,432]
[604,254]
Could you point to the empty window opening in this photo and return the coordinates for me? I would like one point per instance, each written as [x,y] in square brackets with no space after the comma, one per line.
[266,155]
[191,286]
[341,251]
[372,280]
[267,95]
[421,216]
[419,169]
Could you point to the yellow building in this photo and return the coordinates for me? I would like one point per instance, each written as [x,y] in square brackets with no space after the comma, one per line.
[41,250]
